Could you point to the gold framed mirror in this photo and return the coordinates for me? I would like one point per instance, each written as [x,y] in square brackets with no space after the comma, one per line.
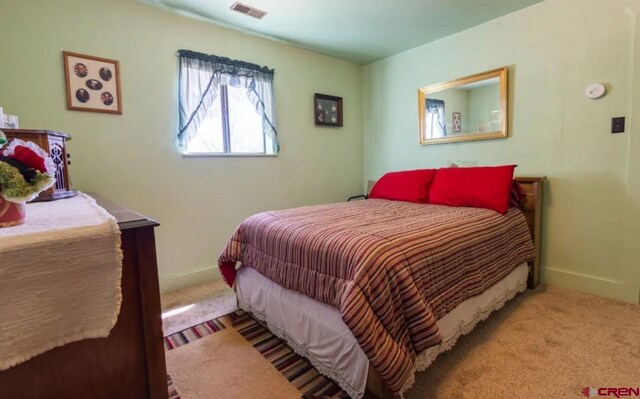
[466,109]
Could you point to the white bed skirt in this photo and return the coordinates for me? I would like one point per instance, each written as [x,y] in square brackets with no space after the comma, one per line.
[316,330]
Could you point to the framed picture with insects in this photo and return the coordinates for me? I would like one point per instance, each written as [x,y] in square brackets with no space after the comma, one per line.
[327,110]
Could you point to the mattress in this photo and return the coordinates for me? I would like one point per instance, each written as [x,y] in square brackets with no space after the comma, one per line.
[316,330]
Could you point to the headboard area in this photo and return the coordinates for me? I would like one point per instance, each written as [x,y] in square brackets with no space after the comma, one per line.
[533,187]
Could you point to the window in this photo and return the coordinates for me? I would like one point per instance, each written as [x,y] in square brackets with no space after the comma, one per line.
[226,107]
[435,123]
[232,126]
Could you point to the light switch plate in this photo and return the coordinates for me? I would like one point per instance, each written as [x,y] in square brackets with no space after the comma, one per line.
[617,124]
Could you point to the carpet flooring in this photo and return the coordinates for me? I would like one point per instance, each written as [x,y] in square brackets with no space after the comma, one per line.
[237,356]
[194,305]
[548,343]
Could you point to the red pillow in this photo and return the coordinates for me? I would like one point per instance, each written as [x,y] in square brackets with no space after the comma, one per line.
[408,185]
[482,187]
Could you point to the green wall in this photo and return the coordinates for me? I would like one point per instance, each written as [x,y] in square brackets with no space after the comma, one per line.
[554,50]
[132,158]
[482,101]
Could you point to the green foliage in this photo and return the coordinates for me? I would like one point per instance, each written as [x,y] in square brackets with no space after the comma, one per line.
[15,188]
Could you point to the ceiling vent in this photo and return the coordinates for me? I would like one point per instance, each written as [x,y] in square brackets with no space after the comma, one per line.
[248,10]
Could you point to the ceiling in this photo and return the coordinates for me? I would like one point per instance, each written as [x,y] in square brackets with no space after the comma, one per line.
[360,31]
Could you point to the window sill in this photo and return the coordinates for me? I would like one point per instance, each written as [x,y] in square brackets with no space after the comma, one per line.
[212,155]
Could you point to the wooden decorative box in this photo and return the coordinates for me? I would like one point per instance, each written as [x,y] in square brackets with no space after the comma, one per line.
[55,144]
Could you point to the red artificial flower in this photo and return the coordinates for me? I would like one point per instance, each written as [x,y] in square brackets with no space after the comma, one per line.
[29,158]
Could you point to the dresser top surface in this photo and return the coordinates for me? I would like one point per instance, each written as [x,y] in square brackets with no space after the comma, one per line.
[37,132]
[126,218]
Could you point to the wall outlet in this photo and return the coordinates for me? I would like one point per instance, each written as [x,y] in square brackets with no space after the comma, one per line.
[617,125]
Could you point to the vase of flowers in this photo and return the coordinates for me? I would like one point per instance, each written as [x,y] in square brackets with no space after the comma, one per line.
[25,171]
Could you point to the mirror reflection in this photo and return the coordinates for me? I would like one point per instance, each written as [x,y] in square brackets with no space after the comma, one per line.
[469,108]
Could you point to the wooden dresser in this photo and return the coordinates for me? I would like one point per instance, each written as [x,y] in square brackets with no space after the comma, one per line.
[129,363]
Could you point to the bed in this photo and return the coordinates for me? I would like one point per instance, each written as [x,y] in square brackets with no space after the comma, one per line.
[391,285]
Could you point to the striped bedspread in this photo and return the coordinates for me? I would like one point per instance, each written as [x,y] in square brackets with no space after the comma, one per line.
[391,268]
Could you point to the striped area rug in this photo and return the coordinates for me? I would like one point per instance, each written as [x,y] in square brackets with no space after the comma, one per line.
[293,367]
[173,392]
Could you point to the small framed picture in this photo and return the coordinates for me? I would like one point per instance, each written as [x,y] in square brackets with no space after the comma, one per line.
[457,122]
[10,122]
[93,83]
[327,110]
[495,116]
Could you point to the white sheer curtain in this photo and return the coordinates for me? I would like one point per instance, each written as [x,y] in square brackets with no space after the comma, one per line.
[201,76]
[435,121]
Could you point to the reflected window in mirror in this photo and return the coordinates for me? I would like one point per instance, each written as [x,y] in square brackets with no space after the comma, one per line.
[436,119]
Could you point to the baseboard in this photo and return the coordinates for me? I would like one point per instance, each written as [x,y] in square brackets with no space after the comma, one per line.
[561,278]
[587,283]
[183,280]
